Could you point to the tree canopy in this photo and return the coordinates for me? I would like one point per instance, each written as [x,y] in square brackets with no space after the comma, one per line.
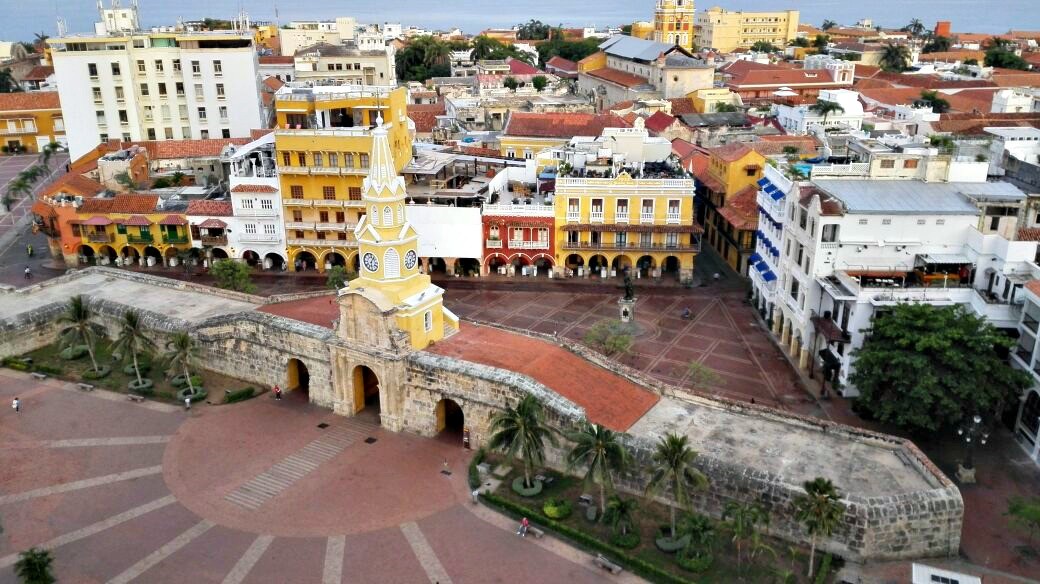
[895,57]
[1000,54]
[570,50]
[534,30]
[927,368]
[937,44]
[423,58]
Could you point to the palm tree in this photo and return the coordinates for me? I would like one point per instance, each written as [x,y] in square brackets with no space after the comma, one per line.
[915,28]
[895,57]
[80,331]
[603,452]
[932,100]
[132,340]
[8,84]
[34,567]
[742,518]
[673,466]
[820,510]
[828,24]
[826,108]
[47,152]
[522,430]
[702,534]
[180,351]
[620,514]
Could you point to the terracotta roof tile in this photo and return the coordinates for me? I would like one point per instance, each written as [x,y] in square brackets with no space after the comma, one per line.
[43,209]
[560,125]
[731,152]
[682,105]
[29,100]
[425,116]
[518,67]
[562,64]
[39,73]
[273,83]
[277,60]
[865,71]
[73,184]
[954,55]
[1029,234]
[128,204]
[212,208]
[930,81]
[257,133]
[659,122]
[781,77]
[1017,79]
[1033,286]
[741,209]
[253,189]
[618,77]
[683,148]
[774,145]
[173,149]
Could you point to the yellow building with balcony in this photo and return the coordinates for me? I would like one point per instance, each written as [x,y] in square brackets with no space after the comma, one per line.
[673,23]
[606,226]
[725,31]
[30,121]
[727,185]
[129,229]
[323,145]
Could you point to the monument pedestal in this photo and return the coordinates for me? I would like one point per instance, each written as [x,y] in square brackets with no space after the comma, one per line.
[626,307]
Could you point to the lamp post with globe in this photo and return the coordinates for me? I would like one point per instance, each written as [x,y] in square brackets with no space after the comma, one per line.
[973,433]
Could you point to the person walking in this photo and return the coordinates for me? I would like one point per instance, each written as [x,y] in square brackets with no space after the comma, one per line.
[28,249]
[524,524]
[277,392]
[16,405]
[187,403]
[28,273]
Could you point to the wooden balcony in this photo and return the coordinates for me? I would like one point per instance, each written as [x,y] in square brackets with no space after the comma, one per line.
[99,238]
[213,240]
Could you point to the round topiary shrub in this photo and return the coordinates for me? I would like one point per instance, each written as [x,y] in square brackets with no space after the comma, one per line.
[556,508]
[144,368]
[665,543]
[180,381]
[199,395]
[146,385]
[74,352]
[520,489]
[102,371]
[698,562]
[625,541]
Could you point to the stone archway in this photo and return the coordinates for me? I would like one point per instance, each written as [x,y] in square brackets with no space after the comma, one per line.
[597,264]
[574,262]
[218,254]
[108,254]
[334,258]
[366,389]
[450,418]
[86,254]
[304,261]
[646,266]
[671,266]
[273,261]
[298,378]
[251,258]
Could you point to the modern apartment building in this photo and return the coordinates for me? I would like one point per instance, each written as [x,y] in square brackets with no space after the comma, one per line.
[726,31]
[323,143]
[128,84]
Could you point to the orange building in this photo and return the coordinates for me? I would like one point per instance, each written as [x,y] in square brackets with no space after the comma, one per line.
[31,120]
[55,210]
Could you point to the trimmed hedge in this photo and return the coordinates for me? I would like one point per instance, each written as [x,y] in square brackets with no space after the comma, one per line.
[102,371]
[695,563]
[625,541]
[48,369]
[240,395]
[638,566]
[474,472]
[16,364]
[556,508]
[520,489]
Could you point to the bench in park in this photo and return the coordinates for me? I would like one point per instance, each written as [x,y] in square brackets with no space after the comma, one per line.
[134,397]
[85,386]
[606,564]
[37,375]
[537,533]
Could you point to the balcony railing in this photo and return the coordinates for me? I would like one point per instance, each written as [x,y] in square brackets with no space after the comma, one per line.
[297,202]
[305,225]
[258,237]
[99,238]
[524,244]
[335,226]
[573,216]
[256,212]
[175,239]
[673,218]
[646,217]
[215,239]
[634,246]
[1024,353]
[1030,323]
[621,217]
[519,210]
[493,244]
[324,242]
[143,238]
[596,217]
[22,130]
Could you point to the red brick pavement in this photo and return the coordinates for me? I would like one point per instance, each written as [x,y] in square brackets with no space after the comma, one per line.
[321,310]
[608,398]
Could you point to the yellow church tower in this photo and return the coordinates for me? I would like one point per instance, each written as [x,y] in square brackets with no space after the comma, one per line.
[388,247]
[673,23]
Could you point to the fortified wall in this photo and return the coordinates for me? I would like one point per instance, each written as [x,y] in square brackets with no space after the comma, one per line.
[922,518]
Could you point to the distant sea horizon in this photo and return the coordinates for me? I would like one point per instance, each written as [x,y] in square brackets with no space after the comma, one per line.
[472,16]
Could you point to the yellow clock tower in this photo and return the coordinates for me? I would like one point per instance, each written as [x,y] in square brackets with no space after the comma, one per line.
[388,247]
[673,23]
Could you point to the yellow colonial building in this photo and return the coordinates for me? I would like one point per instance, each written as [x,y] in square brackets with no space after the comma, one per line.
[728,188]
[31,120]
[130,228]
[323,145]
[673,23]
[606,226]
[388,246]
[727,31]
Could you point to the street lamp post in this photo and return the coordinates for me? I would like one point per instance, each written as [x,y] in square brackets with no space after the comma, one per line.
[973,433]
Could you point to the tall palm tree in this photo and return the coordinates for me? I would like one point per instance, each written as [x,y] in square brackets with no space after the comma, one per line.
[826,108]
[915,28]
[522,430]
[828,24]
[673,466]
[47,152]
[132,340]
[620,513]
[820,510]
[34,567]
[742,519]
[180,351]
[601,450]
[80,331]
[895,57]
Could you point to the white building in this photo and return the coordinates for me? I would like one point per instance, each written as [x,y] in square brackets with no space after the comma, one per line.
[798,119]
[1027,357]
[1016,100]
[135,85]
[846,249]
[1020,143]
[256,231]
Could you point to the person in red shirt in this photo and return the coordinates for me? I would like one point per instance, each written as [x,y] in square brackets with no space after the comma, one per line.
[277,392]
[524,524]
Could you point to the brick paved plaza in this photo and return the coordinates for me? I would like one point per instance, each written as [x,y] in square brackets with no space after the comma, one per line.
[149,493]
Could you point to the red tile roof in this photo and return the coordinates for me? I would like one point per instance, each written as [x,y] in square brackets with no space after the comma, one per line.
[618,77]
[1016,79]
[212,224]
[277,60]
[773,145]
[128,204]
[562,64]
[1029,234]
[73,184]
[29,100]
[954,55]
[256,134]
[425,116]
[731,152]
[682,148]
[892,95]
[560,125]
[974,124]
[173,220]
[865,71]
[273,83]
[929,81]
[700,171]
[782,77]
[741,209]
[254,189]
[43,209]
[659,122]
[682,105]
[1033,286]
[210,208]
[173,149]
[39,73]
[518,67]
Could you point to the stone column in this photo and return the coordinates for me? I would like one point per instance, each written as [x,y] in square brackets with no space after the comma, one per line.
[778,321]
[796,344]
[785,336]
[803,359]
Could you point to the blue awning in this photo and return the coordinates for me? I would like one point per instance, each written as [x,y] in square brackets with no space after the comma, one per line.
[762,182]
[769,188]
[762,267]
[768,276]
[774,251]
[755,258]
[777,195]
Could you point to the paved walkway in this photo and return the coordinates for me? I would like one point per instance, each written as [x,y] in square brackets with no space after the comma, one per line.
[124,493]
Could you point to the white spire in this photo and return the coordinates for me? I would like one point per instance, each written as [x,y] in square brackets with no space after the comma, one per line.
[383,180]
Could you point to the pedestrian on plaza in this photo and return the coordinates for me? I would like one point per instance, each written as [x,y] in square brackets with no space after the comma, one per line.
[524,524]
[716,277]
[187,403]
[277,392]
[16,405]
[28,273]
[28,249]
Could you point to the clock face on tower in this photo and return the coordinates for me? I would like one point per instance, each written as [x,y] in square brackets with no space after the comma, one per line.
[371,263]
[409,259]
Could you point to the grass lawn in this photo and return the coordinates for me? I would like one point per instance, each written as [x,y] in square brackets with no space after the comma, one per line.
[213,383]
[650,515]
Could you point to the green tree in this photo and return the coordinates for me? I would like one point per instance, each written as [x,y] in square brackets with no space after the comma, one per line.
[725,108]
[534,30]
[132,340]
[34,567]
[820,42]
[927,368]
[602,452]
[181,350]
[999,55]
[828,24]
[915,28]
[763,47]
[232,275]
[510,83]
[522,431]
[621,514]
[800,42]
[8,84]
[826,108]
[422,58]
[932,100]
[485,47]
[971,61]
[743,520]
[672,464]
[820,510]
[700,375]
[937,44]
[610,337]
[539,82]
[337,277]
[80,330]
[1025,513]
[894,57]
[626,30]
[570,50]
[177,178]
[161,183]
[701,531]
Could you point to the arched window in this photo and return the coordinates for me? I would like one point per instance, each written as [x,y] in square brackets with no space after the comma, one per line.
[374,216]
[391,263]
[428,321]
[388,216]
[400,213]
